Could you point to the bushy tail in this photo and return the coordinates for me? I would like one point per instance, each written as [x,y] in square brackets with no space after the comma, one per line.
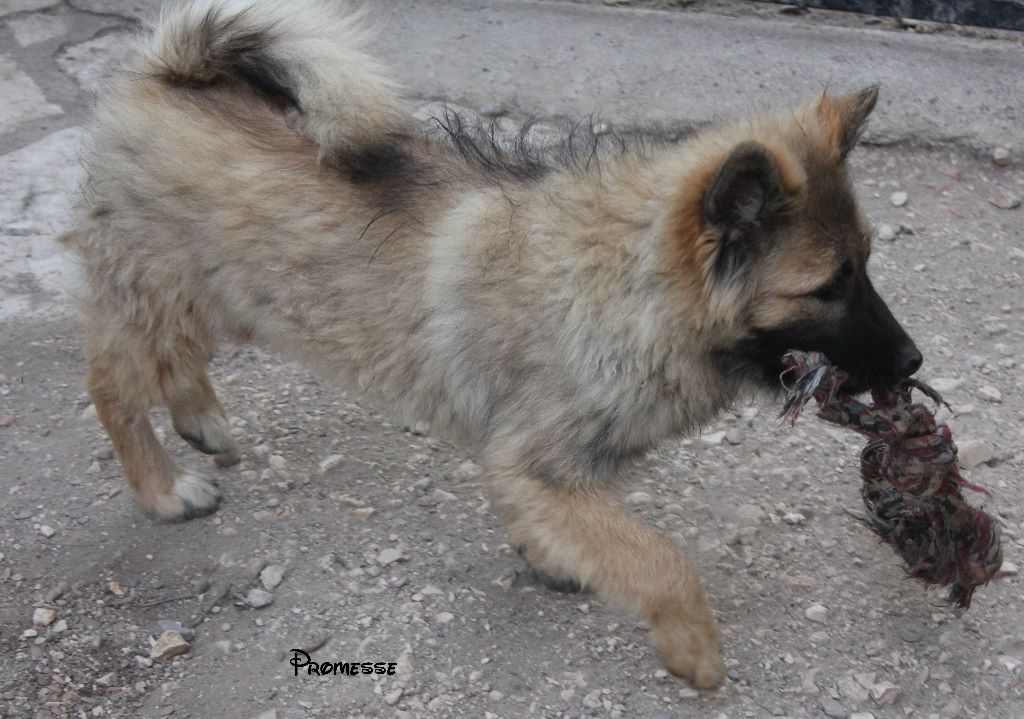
[303,55]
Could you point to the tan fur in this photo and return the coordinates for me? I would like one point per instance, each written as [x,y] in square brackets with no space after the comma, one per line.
[554,328]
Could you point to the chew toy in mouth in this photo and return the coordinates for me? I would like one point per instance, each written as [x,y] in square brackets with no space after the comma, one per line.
[912,489]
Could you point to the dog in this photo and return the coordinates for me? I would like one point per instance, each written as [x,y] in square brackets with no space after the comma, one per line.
[556,309]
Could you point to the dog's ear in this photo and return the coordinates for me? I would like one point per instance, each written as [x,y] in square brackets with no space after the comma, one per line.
[845,117]
[751,186]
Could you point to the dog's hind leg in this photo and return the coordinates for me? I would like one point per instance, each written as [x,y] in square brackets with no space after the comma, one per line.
[124,380]
[195,411]
[571,532]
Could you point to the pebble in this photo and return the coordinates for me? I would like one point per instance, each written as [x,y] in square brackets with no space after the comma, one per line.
[467,470]
[942,385]
[43,616]
[62,626]
[1001,156]
[390,556]
[268,714]
[330,462]
[884,693]
[170,644]
[989,393]
[886,233]
[898,199]
[47,531]
[393,697]
[713,437]
[1005,200]
[794,519]
[277,462]
[733,436]
[169,625]
[271,576]
[972,452]
[817,613]
[639,497]
[444,617]
[257,598]
[862,715]
[832,708]
[749,515]
[107,680]
[1008,569]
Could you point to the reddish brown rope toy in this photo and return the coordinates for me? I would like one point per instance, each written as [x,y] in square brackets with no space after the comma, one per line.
[912,489]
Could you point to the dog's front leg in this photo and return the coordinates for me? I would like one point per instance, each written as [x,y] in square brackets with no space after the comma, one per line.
[570,532]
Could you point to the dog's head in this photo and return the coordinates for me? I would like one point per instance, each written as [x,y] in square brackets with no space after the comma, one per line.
[771,223]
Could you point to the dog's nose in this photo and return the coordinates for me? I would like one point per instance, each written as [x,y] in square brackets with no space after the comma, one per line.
[909,360]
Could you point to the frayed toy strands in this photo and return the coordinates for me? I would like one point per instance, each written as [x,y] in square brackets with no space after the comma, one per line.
[912,488]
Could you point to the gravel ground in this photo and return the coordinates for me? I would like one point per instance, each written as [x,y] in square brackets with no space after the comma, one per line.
[358,540]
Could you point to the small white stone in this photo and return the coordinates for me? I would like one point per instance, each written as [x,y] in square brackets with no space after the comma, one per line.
[749,515]
[107,680]
[393,697]
[467,470]
[170,644]
[390,556]
[444,617]
[1008,569]
[47,531]
[972,452]
[1001,156]
[271,576]
[733,436]
[884,693]
[639,497]
[794,518]
[862,715]
[62,626]
[942,385]
[989,394]
[713,437]
[898,199]
[330,462]
[1005,200]
[817,613]
[886,232]
[257,598]
[43,616]
[277,462]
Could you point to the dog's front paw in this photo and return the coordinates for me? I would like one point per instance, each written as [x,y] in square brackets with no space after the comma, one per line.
[690,650]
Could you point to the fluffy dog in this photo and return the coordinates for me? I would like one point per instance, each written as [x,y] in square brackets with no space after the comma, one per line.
[554,309]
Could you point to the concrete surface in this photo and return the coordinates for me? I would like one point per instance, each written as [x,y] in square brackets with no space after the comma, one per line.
[331,492]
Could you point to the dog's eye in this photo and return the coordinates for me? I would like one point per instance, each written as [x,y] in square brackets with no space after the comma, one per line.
[836,288]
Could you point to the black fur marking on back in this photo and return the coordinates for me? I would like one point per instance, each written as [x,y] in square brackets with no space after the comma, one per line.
[381,161]
[527,155]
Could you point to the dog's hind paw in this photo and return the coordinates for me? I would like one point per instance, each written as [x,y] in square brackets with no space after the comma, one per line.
[193,496]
